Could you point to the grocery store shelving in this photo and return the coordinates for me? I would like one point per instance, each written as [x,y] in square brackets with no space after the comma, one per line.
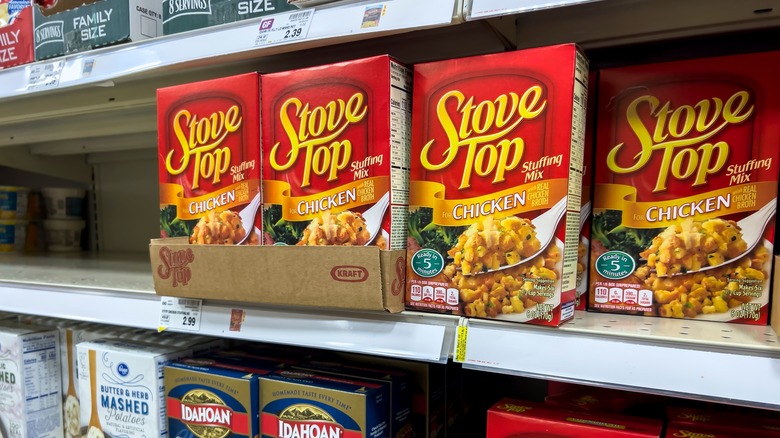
[694,359]
[109,113]
[478,9]
[738,364]
[118,290]
[229,43]
[615,23]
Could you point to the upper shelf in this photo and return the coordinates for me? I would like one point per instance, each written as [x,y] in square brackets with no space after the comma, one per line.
[226,43]
[608,22]
[476,9]
[104,100]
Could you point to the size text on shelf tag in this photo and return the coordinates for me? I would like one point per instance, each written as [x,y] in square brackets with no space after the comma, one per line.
[283,28]
[44,76]
[180,314]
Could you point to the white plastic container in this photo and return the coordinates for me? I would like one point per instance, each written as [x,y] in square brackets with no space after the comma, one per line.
[13,202]
[63,203]
[63,235]
[13,235]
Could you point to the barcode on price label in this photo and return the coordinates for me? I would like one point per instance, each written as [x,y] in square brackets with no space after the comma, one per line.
[180,314]
[299,15]
[284,28]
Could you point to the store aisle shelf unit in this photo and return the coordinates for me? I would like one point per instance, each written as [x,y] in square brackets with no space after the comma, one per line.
[479,9]
[729,363]
[227,43]
[103,105]
[118,290]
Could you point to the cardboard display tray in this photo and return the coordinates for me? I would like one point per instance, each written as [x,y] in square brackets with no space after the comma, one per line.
[361,278]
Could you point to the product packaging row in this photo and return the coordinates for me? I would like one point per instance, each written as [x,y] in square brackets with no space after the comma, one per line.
[519,186]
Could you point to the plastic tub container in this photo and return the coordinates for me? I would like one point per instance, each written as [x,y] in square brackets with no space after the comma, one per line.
[62,203]
[63,235]
[13,235]
[13,202]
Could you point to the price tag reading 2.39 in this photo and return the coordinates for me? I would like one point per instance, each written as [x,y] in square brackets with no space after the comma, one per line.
[284,28]
[180,313]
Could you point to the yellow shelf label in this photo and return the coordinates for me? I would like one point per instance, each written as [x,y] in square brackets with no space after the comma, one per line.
[460,343]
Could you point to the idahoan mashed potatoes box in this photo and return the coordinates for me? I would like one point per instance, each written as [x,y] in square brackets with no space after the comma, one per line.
[209,160]
[336,154]
[297,404]
[686,186]
[206,400]
[495,185]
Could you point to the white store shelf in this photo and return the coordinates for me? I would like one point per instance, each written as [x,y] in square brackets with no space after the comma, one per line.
[477,9]
[230,42]
[119,290]
[733,363]
[407,335]
[693,359]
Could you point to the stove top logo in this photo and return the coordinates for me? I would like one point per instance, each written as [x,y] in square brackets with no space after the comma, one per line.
[302,420]
[174,265]
[206,415]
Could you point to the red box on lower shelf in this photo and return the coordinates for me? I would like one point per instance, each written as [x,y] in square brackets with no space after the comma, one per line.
[722,423]
[521,419]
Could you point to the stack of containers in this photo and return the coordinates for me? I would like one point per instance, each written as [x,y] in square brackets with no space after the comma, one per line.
[29,381]
[13,218]
[64,218]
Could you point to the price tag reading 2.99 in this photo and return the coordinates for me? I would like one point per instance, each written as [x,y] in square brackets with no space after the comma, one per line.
[180,313]
[284,28]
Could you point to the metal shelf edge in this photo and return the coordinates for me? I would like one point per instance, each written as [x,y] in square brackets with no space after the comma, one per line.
[229,40]
[660,366]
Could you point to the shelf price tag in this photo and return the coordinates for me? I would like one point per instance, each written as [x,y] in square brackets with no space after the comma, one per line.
[461,339]
[44,76]
[284,28]
[180,314]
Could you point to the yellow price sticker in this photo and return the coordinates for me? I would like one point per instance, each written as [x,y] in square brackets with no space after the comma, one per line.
[461,338]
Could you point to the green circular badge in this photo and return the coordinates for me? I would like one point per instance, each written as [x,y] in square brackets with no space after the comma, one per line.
[427,263]
[614,265]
